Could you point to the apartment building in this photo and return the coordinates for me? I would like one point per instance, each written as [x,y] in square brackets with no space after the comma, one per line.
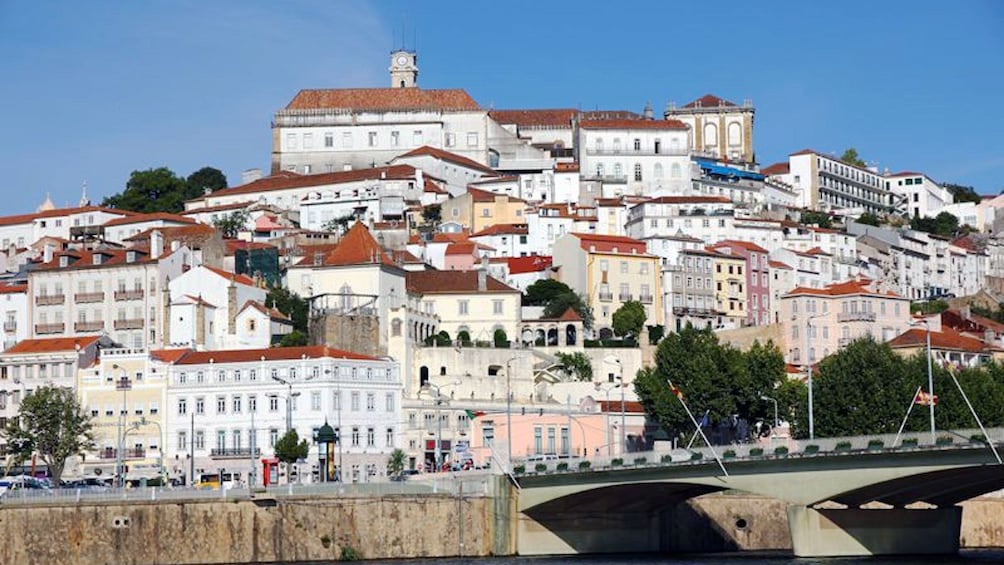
[596,266]
[229,408]
[709,218]
[757,277]
[477,209]
[14,302]
[819,321]
[923,196]
[719,128]
[689,290]
[824,182]
[468,301]
[639,157]
[23,230]
[546,223]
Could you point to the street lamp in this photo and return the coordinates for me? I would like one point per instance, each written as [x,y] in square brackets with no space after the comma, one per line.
[930,375]
[808,357]
[135,426]
[764,397]
[620,377]
[606,416]
[439,400]
[508,409]
[125,385]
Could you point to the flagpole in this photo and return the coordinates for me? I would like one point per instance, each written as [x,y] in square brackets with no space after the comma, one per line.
[694,435]
[978,422]
[696,425]
[909,408]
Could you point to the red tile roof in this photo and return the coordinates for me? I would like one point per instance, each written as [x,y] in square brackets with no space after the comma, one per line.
[947,338]
[529,264]
[155,217]
[357,247]
[168,355]
[195,233]
[607,243]
[285,180]
[463,248]
[58,212]
[13,288]
[442,155]
[84,258]
[503,229]
[383,99]
[566,167]
[842,289]
[220,207]
[270,312]
[779,265]
[570,316]
[452,282]
[689,200]
[270,354]
[781,168]
[52,344]
[709,101]
[478,195]
[535,118]
[747,245]
[633,124]
[243,279]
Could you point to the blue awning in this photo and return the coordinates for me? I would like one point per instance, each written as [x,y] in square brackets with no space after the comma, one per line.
[725,171]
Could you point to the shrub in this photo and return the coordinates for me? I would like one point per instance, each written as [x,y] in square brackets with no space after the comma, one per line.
[944,440]
[977,438]
[843,446]
[617,462]
[875,444]
[909,442]
[697,456]
[584,465]
[756,452]
[781,450]
[563,466]
[464,338]
[519,469]
[666,458]
[500,338]
[729,454]
[442,339]
[640,460]
[811,449]
[350,553]
[540,467]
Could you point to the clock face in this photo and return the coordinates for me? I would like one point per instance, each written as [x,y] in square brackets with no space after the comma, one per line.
[402,60]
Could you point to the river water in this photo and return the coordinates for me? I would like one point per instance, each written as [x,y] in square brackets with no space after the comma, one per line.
[750,558]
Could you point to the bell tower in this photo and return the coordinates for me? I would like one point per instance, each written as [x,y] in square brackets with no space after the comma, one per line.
[403,69]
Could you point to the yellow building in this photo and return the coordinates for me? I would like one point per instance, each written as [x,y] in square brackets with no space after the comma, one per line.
[125,393]
[609,270]
[730,289]
[478,209]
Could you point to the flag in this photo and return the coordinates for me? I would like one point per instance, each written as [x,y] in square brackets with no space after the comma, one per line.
[676,392]
[925,399]
[472,414]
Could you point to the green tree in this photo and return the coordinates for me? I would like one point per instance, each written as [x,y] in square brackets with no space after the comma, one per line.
[432,213]
[152,190]
[656,333]
[962,193]
[543,291]
[290,304]
[870,219]
[929,307]
[52,423]
[821,219]
[944,224]
[290,449]
[562,302]
[206,178]
[295,338]
[442,339]
[500,338]
[576,365]
[395,463]
[464,338]
[629,319]
[339,225]
[232,224]
[851,158]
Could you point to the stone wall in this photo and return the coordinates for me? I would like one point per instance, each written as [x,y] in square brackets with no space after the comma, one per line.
[358,334]
[263,531]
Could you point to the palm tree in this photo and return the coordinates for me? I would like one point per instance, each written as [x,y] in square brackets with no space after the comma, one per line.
[395,463]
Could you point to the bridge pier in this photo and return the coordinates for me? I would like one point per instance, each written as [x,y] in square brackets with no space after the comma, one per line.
[859,531]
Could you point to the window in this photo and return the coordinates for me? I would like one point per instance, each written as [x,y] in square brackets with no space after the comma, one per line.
[273,437]
[221,439]
[497,307]
[200,439]
[273,403]
[315,401]
[637,144]
[346,139]
[329,139]
[637,171]
[182,441]
[390,437]
[182,406]
[308,141]
[395,138]
[370,402]
[372,138]
[463,307]
[355,436]
[624,267]
[390,402]
[290,141]
[472,139]
[236,404]
[451,139]
[252,403]
[221,405]
[355,402]
[200,406]
[370,437]
[417,138]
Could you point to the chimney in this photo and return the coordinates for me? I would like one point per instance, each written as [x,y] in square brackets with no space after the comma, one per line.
[250,175]
[647,112]
[232,307]
[989,337]
[156,244]
[964,312]
[420,179]
[131,256]
[175,245]
[483,279]
[47,252]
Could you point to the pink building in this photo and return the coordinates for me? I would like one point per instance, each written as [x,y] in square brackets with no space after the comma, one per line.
[757,277]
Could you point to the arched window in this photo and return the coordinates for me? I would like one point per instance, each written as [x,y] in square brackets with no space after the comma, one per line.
[423,376]
[395,327]
[674,171]
[710,135]
[658,170]
[735,134]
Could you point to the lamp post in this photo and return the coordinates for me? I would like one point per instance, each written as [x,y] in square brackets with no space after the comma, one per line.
[930,376]
[123,384]
[606,416]
[160,445]
[808,358]
[620,377]
[508,409]
[439,400]
[289,400]
[764,397]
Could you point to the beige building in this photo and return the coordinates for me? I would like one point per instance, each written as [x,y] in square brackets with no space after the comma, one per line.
[819,321]
[468,301]
[719,128]
[731,289]
[478,209]
[608,271]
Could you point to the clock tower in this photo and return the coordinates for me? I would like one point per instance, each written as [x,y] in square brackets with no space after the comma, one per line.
[403,69]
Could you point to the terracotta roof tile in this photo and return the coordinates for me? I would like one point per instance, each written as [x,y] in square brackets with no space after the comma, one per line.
[168,355]
[535,118]
[528,264]
[357,247]
[570,316]
[503,229]
[285,180]
[947,338]
[383,99]
[633,124]
[155,217]
[52,344]
[58,212]
[478,195]
[270,312]
[842,289]
[243,279]
[709,101]
[781,168]
[13,288]
[270,354]
[779,265]
[452,282]
[426,150]
[747,245]
[607,243]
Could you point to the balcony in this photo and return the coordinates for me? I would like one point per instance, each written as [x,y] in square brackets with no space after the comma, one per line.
[625,296]
[129,294]
[89,326]
[700,312]
[50,299]
[645,299]
[10,326]
[651,152]
[606,296]
[49,328]
[856,316]
[88,297]
[233,452]
[129,324]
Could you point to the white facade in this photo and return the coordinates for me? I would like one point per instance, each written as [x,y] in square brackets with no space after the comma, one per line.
[923,196]
[14,305]
[220,296]
[214,396]
[709,218]
[23,230]
[378,200]
[645,157]
[823,182]
[119,230]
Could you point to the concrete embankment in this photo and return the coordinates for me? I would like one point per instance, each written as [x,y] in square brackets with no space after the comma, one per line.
[378,527]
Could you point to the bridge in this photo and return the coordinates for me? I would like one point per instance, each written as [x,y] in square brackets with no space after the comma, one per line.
[849,500]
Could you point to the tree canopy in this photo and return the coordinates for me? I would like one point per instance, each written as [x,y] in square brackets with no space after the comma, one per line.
[851,158]
[52,424]
[543,291]
[161,190]
[944,224]
[629,319]
[290,304]
[962,193]
[395,463]
[231,224]
[870,219]
[290,448]
[576,365]
[821,219]
[712,377]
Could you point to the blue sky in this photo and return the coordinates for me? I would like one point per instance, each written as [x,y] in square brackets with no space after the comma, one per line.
[94,90]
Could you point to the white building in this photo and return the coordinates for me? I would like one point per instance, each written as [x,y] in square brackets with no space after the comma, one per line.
[206,304]
[709,218]
[505,240]
[119,230]
[65,223]
[14,304]
[645,157]
[222,403]
[719,128]
[456,171]
[923,196]
[824,182]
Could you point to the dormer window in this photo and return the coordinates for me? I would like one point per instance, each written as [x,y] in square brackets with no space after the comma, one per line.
[64,260]
[98,258]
